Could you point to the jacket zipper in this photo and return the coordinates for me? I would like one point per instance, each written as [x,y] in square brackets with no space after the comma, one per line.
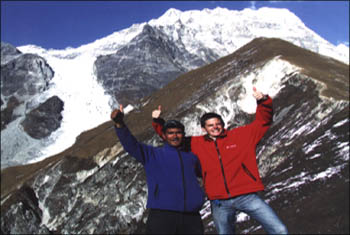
[248,172]
[156,191]
[222,168]
[183,178]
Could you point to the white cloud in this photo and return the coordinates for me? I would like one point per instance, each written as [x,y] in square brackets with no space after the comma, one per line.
[346,43]
[252,5]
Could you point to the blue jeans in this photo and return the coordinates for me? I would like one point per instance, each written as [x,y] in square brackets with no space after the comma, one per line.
[224,214]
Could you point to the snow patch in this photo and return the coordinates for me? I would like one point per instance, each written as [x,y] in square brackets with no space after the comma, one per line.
[82,175]
[268,80]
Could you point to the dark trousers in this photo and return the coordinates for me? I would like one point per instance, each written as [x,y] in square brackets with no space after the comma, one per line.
[172,222]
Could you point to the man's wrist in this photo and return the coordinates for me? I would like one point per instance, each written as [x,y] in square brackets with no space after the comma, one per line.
[119,125]
[159,120]
[265,97]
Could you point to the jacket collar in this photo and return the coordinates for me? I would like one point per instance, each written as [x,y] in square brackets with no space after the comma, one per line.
[223,135]
[181,148]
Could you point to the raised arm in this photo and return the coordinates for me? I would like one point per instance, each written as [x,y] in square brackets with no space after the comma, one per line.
[264,110]
[128,141]
[263,115]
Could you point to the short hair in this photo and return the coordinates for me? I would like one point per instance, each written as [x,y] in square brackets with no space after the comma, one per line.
[207,116]
[173,124]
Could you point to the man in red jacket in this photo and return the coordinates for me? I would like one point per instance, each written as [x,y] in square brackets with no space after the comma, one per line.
[230,173]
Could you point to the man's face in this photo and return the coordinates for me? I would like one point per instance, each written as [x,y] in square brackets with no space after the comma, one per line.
[213,127]
[173,136]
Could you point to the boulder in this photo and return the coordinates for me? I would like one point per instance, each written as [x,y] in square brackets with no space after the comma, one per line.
[42,121]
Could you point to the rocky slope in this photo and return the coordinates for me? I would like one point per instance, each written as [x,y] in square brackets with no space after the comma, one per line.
[95,187]
[23,76]
[149,61]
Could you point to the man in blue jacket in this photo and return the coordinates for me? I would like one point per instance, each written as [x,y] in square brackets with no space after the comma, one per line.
[174,194]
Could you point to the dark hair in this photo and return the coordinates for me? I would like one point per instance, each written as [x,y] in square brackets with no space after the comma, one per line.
[173,124]
[207,116]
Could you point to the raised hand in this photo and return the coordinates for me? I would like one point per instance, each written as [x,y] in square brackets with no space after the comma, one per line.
[118,116]
[257,94]
[156,113]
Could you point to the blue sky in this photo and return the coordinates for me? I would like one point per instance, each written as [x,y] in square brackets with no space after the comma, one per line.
[61,24]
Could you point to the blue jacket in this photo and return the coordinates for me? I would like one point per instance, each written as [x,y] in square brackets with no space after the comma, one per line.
[171,174]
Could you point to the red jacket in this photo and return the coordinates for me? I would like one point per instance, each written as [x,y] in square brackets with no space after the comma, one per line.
[229,166]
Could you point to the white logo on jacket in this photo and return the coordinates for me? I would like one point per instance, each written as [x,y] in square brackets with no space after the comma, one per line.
[231,146]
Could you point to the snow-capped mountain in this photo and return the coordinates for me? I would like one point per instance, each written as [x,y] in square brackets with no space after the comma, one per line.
[224,31]
[184,41]
[95,187]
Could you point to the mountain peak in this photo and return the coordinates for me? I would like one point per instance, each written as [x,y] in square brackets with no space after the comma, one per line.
[283,13]
[172,11]
[170,15]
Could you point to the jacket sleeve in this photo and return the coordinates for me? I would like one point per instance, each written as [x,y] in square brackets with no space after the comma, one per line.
[158,124]
[132,146]
[263,119]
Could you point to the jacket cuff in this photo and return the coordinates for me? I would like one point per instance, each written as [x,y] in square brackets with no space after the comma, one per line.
[266,97]
[160,121]
[119,126]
